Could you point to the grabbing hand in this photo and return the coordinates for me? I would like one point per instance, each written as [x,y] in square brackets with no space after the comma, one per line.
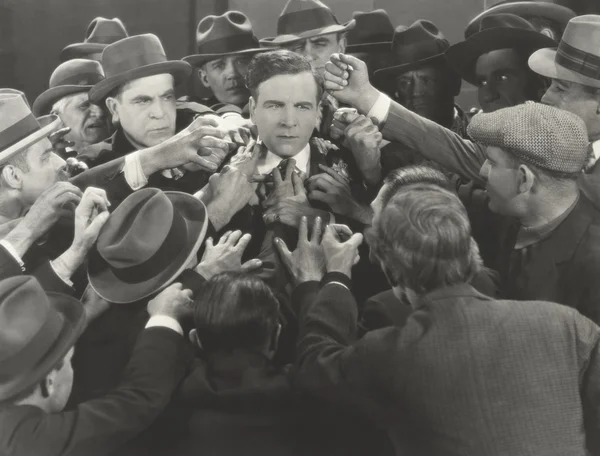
[341,119]
[173,301]
[364,140]
[340,247]
[289,186]
[226,255]
[307,262]
[59,142]
[90,216]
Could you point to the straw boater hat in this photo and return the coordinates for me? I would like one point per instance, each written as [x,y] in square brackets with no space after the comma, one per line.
[19,129]
[37,329]
[100,33]
[498,31]
[301,19]
[577,58]
[74,76]
[145,244]
[134,58]
[219,36]
[373,32]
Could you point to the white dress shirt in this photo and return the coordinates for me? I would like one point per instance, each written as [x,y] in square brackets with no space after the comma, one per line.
[267,163]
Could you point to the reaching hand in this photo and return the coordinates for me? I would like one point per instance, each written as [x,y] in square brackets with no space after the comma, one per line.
[246,158]
[59,142]
[173,301]
[340,247]
[289,186]
[93,305]
[226,255]
[341,119]
[307,262]
[90,216]
[364,139]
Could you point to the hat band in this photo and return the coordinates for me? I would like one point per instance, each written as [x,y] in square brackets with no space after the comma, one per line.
[420,51]
[228,44]
[303,21]
[174,243]
[369,39]
[578,61]
[130,61]
[18,131]
[80,79]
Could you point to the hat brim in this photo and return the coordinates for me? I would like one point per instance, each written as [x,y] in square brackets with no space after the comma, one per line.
[399,69]
[365,47]
[49,124]
[43,103]
[78,50]
[73,316]
[462,57]
[109,287]
[197,60]
[180,70]
[543,62]
[281,40]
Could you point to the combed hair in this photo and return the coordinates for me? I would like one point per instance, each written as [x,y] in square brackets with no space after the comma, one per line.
[423,239]
[235,310]
[413,174]
[267,65]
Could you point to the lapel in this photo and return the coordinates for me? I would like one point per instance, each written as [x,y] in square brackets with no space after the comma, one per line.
[590,185]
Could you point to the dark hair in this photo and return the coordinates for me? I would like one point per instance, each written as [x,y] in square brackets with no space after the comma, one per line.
[235,310]
[414,174]
[267,65]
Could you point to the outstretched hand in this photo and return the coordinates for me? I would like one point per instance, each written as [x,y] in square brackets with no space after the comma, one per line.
[340,247]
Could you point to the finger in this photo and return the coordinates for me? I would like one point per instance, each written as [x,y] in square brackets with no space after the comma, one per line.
[204,163]
[234,237]
[341,230]
[352,62]
[337,179]
[284,252]
[208,244]
[245,135]
[277,177]
[67,198]
[203,122]
[224,237]
[212,142]
[94,228]
[260,178]
[333,83]
[355,240]
[298,185]
[317,230]
[90,203]
[251,265]
[319,182]
[345,115]
[187,293]
[335,66]
[303,230]
[356,259]
[244,241]
[289,169]
[318,195]
[174,286]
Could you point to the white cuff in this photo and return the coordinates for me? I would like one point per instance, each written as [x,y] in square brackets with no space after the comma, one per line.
[165,322]
[64,279]
[134,174]
[337,283]
[381,108]
[11,250]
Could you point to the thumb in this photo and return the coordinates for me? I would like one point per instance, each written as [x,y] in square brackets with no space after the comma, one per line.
[355,240]
[187,293]
[251,265]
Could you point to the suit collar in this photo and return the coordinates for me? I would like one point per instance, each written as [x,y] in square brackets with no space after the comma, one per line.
[455,291]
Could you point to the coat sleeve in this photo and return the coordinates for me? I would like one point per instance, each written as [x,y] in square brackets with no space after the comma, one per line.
[100,426]
[109,177]
[434,142]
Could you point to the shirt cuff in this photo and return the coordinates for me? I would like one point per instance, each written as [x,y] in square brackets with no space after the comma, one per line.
[134,174]
[64,279]
[10,249]
[163,321]
[381,108]
[336,278]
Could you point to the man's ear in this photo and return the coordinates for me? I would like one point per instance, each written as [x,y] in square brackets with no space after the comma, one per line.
[526,179]
[47,385]
[111,105]
[194,339]
[252,108]
[13,177]
[203,77]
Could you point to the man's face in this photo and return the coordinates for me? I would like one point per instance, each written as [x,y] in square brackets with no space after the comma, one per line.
[501,80]
[146,110]
[424,91]
[573,97]
[286,118]
[45,169]
[501,181]
[317,50]
[225,77]
[62,384]
[87,121]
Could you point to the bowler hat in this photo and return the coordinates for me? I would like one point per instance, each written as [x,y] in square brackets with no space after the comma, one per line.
[19,129]
[145,244]
[73,76]
[413,46]
[301,19]
[37,329]
[133,58]
[100,33]
[498,31]
[577,58]
[218,36]
[373,31]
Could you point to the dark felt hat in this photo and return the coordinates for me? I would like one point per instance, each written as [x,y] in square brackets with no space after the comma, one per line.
[373,31]
[100,33]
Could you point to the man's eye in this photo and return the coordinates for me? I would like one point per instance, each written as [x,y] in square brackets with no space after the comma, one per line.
[482,83]
[502,78]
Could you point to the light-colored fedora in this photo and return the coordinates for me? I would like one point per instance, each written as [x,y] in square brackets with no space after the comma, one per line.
[100,33]
[577,58]
[19,129]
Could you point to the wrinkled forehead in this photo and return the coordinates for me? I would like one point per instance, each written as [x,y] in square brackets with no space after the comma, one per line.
[150,86]
[289,88]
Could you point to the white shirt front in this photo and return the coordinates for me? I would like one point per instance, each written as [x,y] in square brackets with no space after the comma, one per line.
[270,161]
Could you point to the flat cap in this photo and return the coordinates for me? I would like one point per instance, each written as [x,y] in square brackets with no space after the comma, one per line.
[549,138]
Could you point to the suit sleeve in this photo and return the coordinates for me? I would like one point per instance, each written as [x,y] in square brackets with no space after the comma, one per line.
[8,265]
[109,177]
[434,142]
[100,426]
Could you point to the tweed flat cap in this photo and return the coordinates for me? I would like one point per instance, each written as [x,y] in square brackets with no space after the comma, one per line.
[547,137]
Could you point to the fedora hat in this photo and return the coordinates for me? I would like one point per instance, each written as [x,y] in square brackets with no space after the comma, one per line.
[218,36]
[547,9]
[301,19]
[133,58]
[145,244]
[100,33]
[577,58]
[373,31]
[73,76]
[37,329]
[413,46]
[498,31]
[19,129]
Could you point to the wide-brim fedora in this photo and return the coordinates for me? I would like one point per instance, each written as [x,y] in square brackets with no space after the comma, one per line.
[100,33]
[499,31]
[302,19]
[373,32]
[64,323]
[133,58]
[577,58]
[73,76]
[226,35]
[112,287]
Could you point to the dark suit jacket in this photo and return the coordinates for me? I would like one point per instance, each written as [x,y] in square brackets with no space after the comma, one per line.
[467,375]
[100,426]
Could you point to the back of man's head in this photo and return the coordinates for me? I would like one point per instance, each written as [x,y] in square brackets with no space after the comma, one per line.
[236,311]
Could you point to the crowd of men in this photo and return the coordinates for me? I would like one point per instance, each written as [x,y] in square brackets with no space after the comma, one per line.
[326,256]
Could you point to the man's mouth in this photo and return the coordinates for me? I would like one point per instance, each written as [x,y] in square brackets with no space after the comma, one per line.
[95,125]
[287,137]
[236,87]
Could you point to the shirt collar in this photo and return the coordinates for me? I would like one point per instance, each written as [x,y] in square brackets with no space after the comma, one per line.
[270,161]
[596,149]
